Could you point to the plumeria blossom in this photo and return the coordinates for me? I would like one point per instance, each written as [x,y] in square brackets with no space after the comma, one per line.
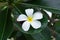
[30,19]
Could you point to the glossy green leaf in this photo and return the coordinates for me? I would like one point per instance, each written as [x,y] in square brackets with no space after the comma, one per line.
[3,0]
[21,37]
[3,17]
[6,25]
[18,35]
[47,3]
[43,35]
[3,5]
[57,36]
[54,10]
[57,26]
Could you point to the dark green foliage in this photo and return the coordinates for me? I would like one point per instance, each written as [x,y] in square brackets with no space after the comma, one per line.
[11,9]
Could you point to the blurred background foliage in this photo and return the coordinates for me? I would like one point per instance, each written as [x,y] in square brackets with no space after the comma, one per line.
[9,27]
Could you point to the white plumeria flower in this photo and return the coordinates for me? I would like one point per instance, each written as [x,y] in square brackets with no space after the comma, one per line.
[30,19]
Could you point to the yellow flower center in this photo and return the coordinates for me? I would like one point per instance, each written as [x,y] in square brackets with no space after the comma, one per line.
[29,19]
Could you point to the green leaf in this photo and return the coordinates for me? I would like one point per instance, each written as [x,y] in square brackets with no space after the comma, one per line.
[20,36]
[57,36]
[3,0]
[47,3]
[57,26]
[43,35]
[6,25]
[3,18]
[53,10]
[3,6]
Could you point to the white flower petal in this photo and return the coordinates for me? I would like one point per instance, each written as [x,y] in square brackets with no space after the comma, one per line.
[29,12]
[49,13]
[36,24]
[26,26]
[37,15]
[8,39]
[22,17]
